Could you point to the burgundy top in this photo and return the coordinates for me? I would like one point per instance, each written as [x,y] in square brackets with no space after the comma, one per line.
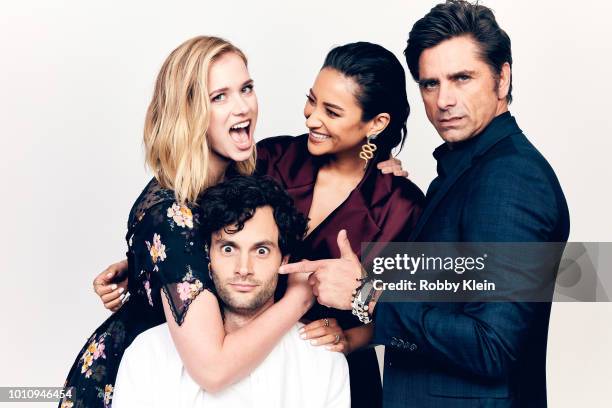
[381,208]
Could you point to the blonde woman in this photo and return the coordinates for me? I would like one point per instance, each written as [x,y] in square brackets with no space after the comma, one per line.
[199,126]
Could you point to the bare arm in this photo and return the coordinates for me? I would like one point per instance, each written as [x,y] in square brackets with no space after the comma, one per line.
[212,358]
[215,359]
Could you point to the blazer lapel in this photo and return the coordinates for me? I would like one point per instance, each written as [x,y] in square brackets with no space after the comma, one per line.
[501,127]
[451,179]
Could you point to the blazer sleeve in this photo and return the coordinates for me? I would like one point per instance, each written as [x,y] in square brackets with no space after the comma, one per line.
[513,201]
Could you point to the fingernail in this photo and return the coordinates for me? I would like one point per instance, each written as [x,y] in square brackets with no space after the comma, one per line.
[313,342]
[121,297]
[302,330]
[303,336]
[113,286]
[121,290]
[108,275]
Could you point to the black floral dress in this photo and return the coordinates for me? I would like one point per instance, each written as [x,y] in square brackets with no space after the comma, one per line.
[165,253]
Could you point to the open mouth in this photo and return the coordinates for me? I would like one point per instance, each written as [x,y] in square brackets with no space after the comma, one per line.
[240,134]
[318,137]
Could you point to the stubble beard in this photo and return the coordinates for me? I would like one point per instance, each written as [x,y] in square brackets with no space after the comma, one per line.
[231,303]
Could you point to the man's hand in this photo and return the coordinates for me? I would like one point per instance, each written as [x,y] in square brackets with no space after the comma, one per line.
[112,294]
[332,280]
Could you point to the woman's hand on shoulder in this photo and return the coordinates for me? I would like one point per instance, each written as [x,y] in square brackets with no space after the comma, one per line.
[326,332]
[392,165]
[111,285]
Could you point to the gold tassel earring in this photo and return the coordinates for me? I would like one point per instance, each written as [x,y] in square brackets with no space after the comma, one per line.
[367,150]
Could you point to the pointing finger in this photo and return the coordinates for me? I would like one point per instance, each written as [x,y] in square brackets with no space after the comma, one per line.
[300,267]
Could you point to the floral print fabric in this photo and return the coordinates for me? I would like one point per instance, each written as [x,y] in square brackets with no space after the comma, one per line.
[165,254]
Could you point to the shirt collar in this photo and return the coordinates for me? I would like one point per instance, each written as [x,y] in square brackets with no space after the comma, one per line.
[449,155]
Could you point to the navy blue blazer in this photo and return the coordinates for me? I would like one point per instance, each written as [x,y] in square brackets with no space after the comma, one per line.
[495,187]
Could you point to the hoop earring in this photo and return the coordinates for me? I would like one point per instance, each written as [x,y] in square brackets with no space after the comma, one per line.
[368,149]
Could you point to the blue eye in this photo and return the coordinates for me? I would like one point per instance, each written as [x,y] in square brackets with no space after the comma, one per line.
[219,98]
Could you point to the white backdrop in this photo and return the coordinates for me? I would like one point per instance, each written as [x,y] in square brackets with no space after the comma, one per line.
[75,80]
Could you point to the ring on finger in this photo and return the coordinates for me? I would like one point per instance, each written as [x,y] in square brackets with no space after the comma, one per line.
[337,339]
[326,322]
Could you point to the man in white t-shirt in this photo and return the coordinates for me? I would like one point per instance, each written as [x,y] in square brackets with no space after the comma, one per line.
[244,263]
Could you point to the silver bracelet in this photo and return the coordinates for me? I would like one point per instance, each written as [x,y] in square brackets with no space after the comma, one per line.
[362,295]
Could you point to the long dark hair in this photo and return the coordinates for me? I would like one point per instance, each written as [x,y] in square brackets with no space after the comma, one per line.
[382,87]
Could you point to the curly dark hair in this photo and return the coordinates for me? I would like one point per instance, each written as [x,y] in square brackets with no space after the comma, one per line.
[228,205]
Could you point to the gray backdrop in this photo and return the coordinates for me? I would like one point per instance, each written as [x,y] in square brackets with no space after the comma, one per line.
[76,78]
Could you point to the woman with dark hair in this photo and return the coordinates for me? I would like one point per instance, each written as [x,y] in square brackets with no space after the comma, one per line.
[356,113]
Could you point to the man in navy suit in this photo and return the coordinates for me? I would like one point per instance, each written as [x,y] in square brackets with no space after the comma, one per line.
[492,186]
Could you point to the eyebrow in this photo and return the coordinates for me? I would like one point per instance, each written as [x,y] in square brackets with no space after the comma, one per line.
[326,104]
[465,72]
[264,242]
[257,244]
[220,90]
[454,75]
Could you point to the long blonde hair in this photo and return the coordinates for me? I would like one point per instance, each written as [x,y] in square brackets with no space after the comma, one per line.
[176,147]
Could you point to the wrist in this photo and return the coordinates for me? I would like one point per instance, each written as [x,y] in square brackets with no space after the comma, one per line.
[352,339]
[373,302]
[362,299]
[299,300]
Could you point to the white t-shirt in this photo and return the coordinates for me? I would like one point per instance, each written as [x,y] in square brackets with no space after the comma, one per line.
[295,374]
